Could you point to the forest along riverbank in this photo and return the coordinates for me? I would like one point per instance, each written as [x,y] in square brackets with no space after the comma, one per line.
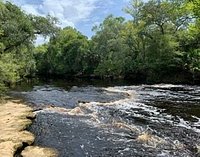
[146,120]
[15,140]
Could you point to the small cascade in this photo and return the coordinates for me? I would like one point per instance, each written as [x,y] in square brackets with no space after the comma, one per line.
[146,120]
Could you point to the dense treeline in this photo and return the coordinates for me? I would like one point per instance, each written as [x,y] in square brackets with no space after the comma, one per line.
[161,43]
[17,34]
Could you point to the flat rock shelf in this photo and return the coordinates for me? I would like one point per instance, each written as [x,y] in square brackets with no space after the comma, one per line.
[15,140]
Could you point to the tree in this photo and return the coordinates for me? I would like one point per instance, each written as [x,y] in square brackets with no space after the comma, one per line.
[157,26]
[66,53]
[20,29]
[160,43]
[109,46]
[17,34]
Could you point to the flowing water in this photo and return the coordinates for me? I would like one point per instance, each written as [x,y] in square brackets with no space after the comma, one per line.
[116,121]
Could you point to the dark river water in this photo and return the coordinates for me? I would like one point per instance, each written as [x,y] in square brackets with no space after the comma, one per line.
[115,119]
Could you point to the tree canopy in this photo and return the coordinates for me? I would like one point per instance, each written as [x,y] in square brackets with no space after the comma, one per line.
[161,43]
[18,31]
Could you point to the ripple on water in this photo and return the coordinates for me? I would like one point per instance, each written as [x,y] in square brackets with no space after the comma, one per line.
[156,120]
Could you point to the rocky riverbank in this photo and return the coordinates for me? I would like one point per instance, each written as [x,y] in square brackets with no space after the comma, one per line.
[15,140]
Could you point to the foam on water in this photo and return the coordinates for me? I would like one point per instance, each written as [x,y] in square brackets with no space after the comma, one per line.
[133,116]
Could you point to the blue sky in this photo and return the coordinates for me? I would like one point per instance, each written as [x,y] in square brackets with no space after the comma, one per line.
[81,14]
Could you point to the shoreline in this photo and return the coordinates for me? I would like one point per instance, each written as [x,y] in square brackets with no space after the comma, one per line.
[15,140]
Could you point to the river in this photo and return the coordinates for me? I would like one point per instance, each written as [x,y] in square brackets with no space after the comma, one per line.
[90,119]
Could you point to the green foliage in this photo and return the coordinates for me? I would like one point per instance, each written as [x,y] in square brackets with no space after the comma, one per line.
[17,34]
[41,57]
[109,47]
[161,41]
[8,71]
[66,53]
[193,60]
[20,29]
[45,26]
[9,68]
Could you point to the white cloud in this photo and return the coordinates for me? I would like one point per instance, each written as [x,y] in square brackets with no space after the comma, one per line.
[69,12]
[32,9]
[82,14]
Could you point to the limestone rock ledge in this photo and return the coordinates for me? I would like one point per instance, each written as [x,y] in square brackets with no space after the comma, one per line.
[15,117]
[33,151]
[8,148]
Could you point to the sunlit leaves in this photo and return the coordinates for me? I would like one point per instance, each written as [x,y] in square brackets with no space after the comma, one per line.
[17,34]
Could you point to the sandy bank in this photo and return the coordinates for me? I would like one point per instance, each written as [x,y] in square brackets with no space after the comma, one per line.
[14,119]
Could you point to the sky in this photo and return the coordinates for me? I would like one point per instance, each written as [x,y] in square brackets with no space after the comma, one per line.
[81,14]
